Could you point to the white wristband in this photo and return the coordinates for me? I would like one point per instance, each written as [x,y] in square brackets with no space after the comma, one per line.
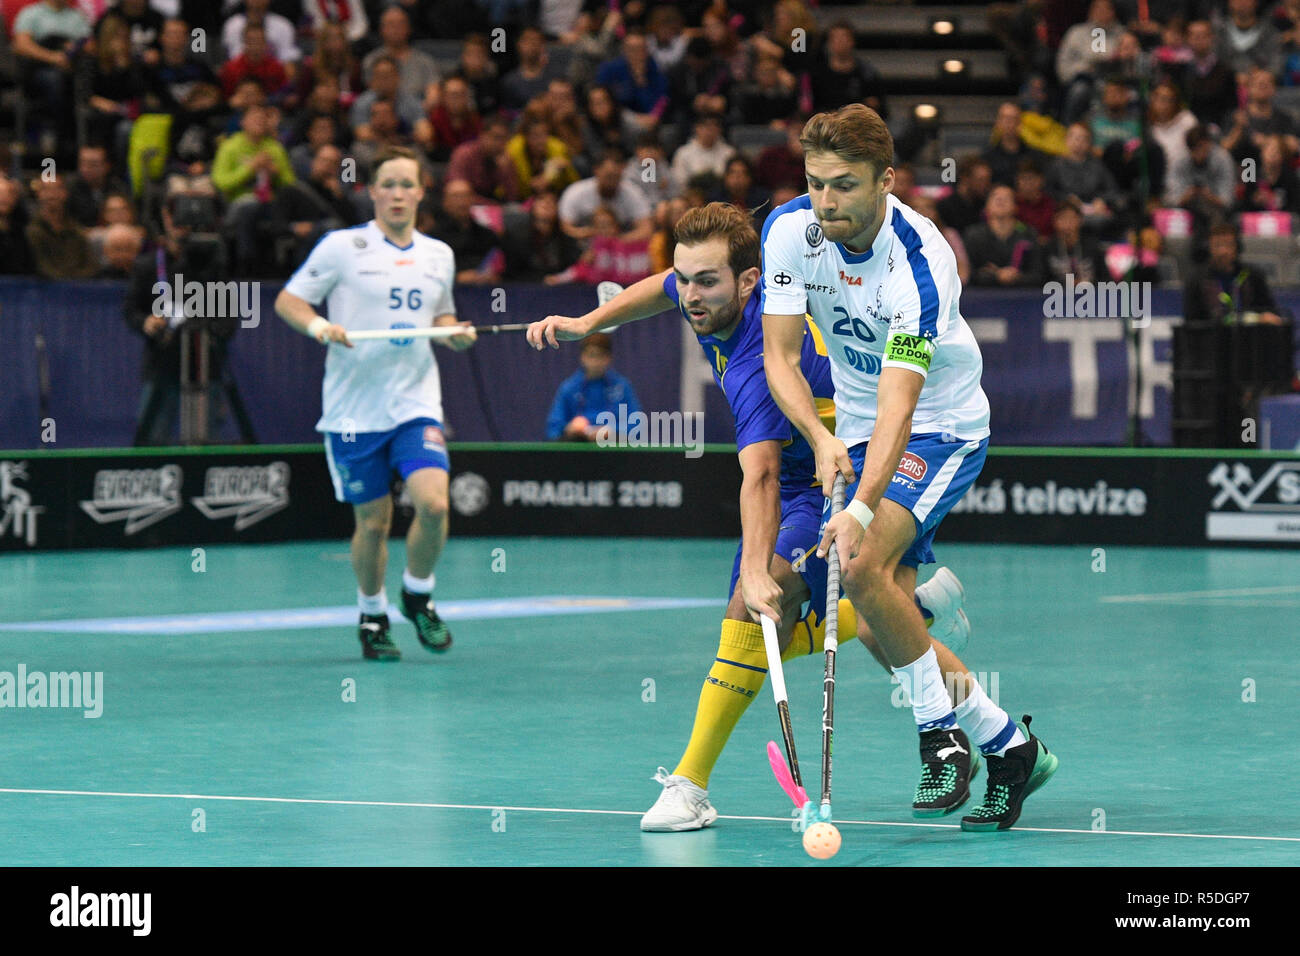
[316,326]
[861,513]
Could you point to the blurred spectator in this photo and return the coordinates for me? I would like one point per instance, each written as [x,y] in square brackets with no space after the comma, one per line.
[738,189]
[454,121]
[606,187]
[417,70]
[182,84]
[594,389]
[770,97]
[60,250]
[1007,150]
[663,242]
[323,130]
[593,40]
[839,77]
[142,25]
[1286,19]
[558,18]
[1247,41]
[1139,169]
[636,81]
[385,84]
[309,207]
[666,37]
[1259,119]
[928,208]
[117,88]
[609,257]
[1208,84]
[777,39]
[904,183]
[1080,55]
[1204,182]
[1225,290]
[650,172]
[1034,207]
[1115,119]
[15,254]
[483,163]
[724,44]
[331,59]
[383,129]
[541,160]
[117,214]
[91,184]
[1275,187]
[1022,32]
[46,36]
[700,84]
[782,164]
[1131,63]
[280,35]
[533,74]
[122,244]
[249,167]
[1174,53]
[1069,252]
[256,61]
[1083,176]
[1168,122]
[964,206]
[479,260]
[322,101]
[348,16]
[477,68]
[543,249]
[1003,251]
[560,107]
[705,152]
[606,125]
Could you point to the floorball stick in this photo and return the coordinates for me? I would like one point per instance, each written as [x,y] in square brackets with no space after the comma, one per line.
[787,775]
[813,814]
[431,332]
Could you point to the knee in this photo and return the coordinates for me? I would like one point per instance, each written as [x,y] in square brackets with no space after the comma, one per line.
[431,507]
[374,528]
[864,582]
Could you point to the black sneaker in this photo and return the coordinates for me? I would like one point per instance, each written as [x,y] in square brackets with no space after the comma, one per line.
[947,768]
[1012,777]
[429,628]
[376,645]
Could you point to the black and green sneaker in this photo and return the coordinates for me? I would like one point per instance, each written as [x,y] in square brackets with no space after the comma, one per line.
[1012,777]
[429,628]
[947,768]
[376,645]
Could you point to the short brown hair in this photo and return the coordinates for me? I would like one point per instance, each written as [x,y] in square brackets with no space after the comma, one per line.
[389,153]
[854,132]
[720,220]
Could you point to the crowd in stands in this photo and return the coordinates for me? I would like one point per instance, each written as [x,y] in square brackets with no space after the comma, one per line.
[562,139]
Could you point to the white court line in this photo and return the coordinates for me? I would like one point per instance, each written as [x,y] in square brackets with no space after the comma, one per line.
[1183,595]
[622,813]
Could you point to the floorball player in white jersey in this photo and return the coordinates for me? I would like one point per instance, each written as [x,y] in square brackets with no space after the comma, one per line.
[912,429]
[381,399]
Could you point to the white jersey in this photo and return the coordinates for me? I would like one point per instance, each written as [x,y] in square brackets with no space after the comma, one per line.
[372,283]
[893,306]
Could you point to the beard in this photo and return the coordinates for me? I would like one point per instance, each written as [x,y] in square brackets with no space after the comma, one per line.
[717,321]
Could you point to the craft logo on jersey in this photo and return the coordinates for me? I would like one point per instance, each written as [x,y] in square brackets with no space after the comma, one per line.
[814,235]
[17,513]
[912,465]
[469,493]
[139,496]
[248,493]
[433,438]
[1246,508]
[850,280]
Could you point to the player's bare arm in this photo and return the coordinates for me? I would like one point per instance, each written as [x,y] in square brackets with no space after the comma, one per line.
[760,519]
[461,341]
[782,345]
[638,301]
[302,316]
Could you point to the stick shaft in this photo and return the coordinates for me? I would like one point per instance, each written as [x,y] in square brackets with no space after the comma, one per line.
[776,672]
[430,332]
[832,646]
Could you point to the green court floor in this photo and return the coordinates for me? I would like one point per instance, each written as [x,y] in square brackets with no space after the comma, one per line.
[1167,684]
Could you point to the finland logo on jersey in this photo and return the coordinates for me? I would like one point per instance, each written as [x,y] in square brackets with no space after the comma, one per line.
[402,325]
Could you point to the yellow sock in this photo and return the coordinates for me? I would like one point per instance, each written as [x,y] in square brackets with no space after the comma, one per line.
[809,636]
[734,681]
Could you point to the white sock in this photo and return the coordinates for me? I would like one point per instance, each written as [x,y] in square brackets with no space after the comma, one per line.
[373,604]
[417,585]
[923,681]
[985,723]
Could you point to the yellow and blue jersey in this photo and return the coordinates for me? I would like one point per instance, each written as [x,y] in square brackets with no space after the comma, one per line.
[737,364]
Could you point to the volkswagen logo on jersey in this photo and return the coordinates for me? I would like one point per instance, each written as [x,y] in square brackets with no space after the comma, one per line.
[814,235]
[358,242]
[402,325]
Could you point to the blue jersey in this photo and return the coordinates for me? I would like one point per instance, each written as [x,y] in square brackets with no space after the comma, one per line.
[579,395]
[737,364]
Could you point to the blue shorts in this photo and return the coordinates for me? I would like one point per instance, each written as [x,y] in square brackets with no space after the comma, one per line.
[801,510]
[932,476]
[362,467]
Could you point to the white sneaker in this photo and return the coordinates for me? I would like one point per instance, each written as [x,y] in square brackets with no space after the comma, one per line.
[681,806]
[944,596]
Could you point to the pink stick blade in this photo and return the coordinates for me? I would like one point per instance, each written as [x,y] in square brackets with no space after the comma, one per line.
[782,772]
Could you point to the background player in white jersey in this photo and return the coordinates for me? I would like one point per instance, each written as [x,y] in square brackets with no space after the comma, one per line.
[382,401]
[881,283]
